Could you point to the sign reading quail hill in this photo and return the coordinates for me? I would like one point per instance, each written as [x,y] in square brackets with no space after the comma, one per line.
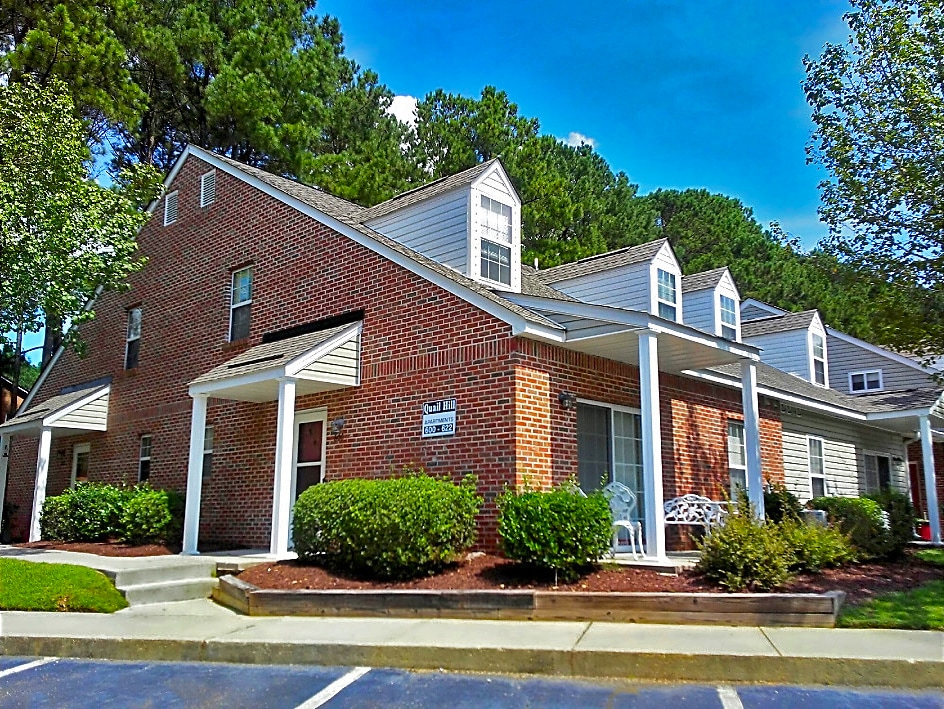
[439,418]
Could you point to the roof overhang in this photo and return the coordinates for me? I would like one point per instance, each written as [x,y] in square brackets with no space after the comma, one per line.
[613,333]
[85,412]
[314,364]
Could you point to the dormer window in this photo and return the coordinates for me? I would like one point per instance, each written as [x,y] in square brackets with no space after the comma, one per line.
[728,309]
[667,295]
[865,381]
[819,359]
[496,241]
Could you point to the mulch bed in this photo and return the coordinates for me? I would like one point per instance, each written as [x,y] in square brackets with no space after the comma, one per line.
[104,548]
[860,582]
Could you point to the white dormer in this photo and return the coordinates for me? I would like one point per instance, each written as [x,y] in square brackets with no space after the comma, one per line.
[470,221]
[792,342]
[712,303]
[645,277]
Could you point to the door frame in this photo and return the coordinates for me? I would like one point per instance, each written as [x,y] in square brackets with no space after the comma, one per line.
[308,416]
[78,449]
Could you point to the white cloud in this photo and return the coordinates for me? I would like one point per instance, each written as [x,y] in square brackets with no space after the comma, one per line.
[575,139]
[404,109]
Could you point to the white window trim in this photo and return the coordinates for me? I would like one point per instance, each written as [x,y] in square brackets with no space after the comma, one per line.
[891,470]
[727,439]
[482,235]
[232,305]
[167,198]
[204,202]
[674,304]
[813,358]
[129,339]
[77,449]
[864,373]
[141,457]
[809,463]
[719,320]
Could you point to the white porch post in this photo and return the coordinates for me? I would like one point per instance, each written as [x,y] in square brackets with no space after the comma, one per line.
[195,474]
[930,486]
[42,472]
[651,444]
[282,485]
[755,482]
[4,463]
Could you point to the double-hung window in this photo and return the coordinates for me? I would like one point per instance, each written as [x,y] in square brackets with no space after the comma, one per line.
[737,458]
[496,242]
[144,459]
[666,295]
[819,359]
[133,338]
[865,381]
[240,309]
[817,462]
[728,310]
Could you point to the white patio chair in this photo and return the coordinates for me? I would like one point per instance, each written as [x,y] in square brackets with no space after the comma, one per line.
[622,505]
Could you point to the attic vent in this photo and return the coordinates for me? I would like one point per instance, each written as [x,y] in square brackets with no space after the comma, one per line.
[170,208]
[208,188]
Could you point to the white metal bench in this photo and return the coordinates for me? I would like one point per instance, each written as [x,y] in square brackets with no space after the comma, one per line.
[695,510]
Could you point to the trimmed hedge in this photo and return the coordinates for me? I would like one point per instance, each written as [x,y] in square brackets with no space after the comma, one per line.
[92,512]
[396,528]
[560,530]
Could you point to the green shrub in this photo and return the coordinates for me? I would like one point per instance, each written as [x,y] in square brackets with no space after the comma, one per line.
[389,529]
[88,512]
[745,552]
[861,520]
[901,520]
[815,547]
[152,516]
[559,530]
[780,503]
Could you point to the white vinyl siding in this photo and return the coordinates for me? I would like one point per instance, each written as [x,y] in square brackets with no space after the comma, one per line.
[787,351]
[436,228]
[752,312]
[700,309]
[847,357]
[844,447]
[93,414]
[623,287]
[340,366]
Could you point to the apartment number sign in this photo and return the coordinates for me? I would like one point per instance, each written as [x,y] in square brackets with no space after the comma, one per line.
[439,418]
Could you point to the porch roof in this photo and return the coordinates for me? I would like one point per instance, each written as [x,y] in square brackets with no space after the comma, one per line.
[318,361]
[73,412]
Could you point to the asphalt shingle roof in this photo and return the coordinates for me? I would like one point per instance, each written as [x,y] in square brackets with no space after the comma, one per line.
[703,280]
[427,191]
[777,323]
[269,355]
[602,262]
[531,284]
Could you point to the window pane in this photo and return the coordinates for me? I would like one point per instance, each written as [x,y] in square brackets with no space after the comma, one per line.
[496,220]
[239,327]
[496,262]
[132,352]
[82,466]
[884,472]
[207,465]
[309,441]
[736,450]
[208,439]
[858,382]
[593,445]
[818,487]
[666,286]
[738,481]
[873,380]
[817,346]
[145,446]
[666,311]
[242,286]
[144,471]
[728,332]
[134,323]
[819,369]
[728,311]
[816,457]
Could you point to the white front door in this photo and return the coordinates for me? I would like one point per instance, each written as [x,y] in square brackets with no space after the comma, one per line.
[309,454]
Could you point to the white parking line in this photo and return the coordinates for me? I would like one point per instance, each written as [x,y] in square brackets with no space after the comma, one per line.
[332,689]
[27,666]
[729,698]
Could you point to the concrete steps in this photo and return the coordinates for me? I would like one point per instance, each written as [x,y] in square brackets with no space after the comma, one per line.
[165,583]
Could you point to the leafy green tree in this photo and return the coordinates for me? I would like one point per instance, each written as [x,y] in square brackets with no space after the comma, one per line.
[63,237]
[878,103]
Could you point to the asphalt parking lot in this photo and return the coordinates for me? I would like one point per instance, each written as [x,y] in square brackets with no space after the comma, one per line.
[51,682]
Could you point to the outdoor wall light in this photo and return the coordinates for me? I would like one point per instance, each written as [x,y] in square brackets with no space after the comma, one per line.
[336,426]
[567,399]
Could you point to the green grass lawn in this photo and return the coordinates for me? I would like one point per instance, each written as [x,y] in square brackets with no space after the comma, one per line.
[931,556]
[34,586]
[919,609]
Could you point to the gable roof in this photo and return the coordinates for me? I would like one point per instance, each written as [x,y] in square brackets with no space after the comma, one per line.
[626,256]
[428,191]
[778,323]
[349,218]
[703,280]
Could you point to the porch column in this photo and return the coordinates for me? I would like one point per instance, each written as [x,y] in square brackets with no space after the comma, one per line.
[282,486]
[930,486]
[4,463]
[195,474]
[42,473]
[651,444]
[755,482]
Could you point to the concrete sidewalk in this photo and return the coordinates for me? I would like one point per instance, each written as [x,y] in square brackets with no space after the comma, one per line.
[203,631]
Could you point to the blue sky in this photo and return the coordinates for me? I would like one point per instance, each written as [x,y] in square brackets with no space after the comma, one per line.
[676,94]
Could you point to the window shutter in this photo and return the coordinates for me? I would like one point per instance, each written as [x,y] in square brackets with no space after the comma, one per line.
[208,189]
[170,208]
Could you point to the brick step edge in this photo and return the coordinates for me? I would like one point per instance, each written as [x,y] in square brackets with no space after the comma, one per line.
[746,609]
